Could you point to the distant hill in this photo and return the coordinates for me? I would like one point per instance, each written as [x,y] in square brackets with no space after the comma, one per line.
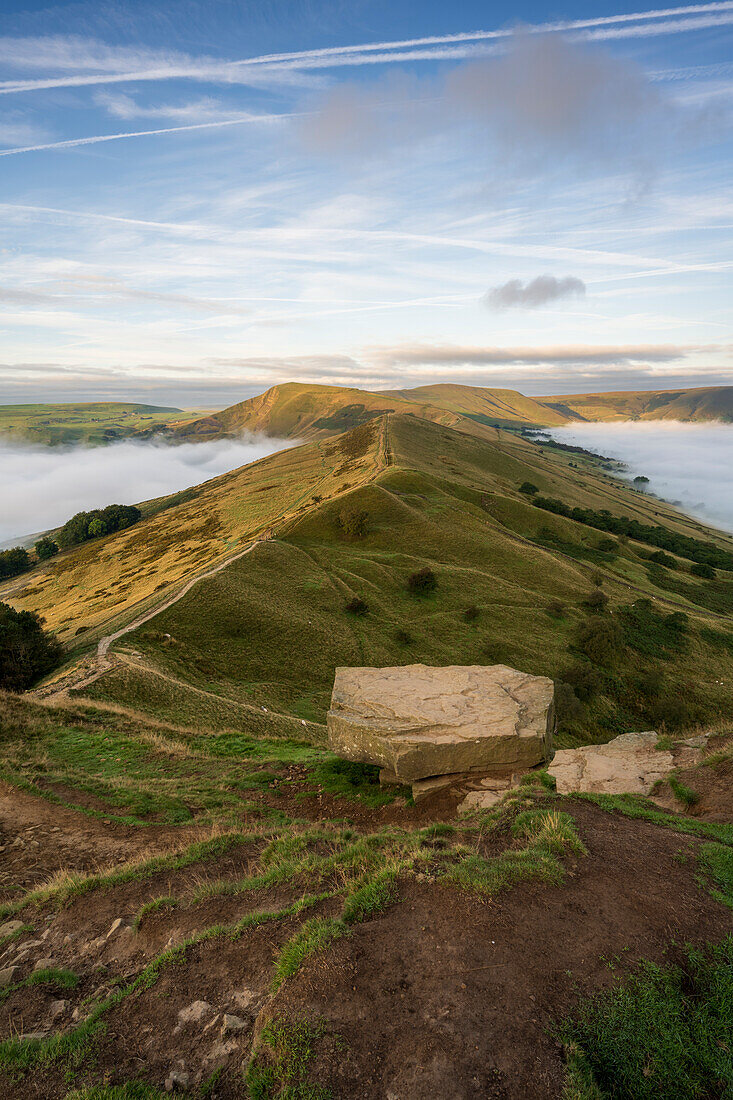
[706,403]
[303,411]
[91,423]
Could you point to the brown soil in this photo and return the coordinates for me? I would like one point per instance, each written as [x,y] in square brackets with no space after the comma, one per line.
[713,785]
[445,995]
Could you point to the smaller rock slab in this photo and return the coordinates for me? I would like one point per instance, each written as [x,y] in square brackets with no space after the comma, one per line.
[630,764]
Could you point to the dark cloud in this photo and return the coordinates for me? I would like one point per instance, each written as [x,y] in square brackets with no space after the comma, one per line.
[576,354]
[537,292]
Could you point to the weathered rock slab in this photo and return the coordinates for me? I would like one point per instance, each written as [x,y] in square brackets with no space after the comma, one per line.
[416,721]
[630,764]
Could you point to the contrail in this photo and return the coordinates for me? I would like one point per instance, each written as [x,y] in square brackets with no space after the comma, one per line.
[633,24]
[144,133]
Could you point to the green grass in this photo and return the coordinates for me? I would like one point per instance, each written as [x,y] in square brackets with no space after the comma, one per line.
[316,935]
[637,807]
[683,793]
[131,1090]
[53,979]
[156,905]
[90,423]
[716,862]
[663,1035]
[279,1068]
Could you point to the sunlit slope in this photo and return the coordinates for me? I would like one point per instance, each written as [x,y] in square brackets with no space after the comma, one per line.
[91,423]
[496,406]
[182,535]
[295,411]
[513,582]
[706,403]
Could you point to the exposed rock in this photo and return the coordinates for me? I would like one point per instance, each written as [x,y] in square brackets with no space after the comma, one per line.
[118,925]
[57,1008]
[177,1080]
[423,788]
[34,1036]
[243,998]
[195,1012]
[9,975]
[46,963]
[9,928]
[419,722]
[232,1023]
[630,764]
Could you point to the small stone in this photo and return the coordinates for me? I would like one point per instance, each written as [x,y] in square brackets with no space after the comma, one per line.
[33,1036]
[10,927]
[480,800]
[118,925]
[9,975]
[177,1081]
[46,963]
[195,1012]
[57,1008]
[232,1023]
[243,998]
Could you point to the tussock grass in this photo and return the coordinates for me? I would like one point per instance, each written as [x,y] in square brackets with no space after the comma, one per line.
[280,1065]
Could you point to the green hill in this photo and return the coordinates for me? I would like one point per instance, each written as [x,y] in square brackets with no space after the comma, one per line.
[91,423]
[501,408]
[706,403]
[517,584]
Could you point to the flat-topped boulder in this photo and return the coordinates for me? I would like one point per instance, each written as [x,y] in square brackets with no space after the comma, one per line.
[417,721]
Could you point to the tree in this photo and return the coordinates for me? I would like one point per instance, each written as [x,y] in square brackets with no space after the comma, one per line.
[356,606]
[13,562]
[353,523]
[641,481]
[528,488]
[96,528]
[27,651]
[45,549]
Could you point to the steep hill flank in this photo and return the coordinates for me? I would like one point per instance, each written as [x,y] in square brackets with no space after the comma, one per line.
[516,584]
[295,411]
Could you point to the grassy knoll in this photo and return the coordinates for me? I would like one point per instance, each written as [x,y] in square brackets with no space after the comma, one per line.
[515,585]
[91,423]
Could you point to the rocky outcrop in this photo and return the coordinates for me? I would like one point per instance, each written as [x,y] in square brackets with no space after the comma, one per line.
[630,764]
[415,721]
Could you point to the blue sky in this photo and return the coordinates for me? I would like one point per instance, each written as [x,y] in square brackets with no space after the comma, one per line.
[200,200]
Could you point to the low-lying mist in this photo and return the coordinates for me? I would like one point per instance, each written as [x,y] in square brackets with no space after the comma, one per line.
[689,464]
[41,487]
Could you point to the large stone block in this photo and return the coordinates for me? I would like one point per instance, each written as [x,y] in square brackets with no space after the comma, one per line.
[630,764]
[418,721]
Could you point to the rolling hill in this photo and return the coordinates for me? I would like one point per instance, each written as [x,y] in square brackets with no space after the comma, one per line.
[516,584]
[90,423]
[302,411]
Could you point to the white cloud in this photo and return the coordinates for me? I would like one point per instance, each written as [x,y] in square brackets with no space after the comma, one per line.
[535,293]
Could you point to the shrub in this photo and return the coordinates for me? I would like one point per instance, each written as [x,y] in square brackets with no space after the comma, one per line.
[556,608]
[699,569]
[596,600]
[27,651]
[403,638]
[357,606]
[353,523]
[584,679]
[601,640]
[660,558]
[471,614]
[422,583]
[567,705]
[597,579]
[528,488]
[46,548]
[608,546]
[90,525]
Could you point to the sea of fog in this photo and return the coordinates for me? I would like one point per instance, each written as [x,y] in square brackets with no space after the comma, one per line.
[688,464]
[41,487]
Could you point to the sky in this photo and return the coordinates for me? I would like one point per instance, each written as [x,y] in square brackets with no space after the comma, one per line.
[200,200]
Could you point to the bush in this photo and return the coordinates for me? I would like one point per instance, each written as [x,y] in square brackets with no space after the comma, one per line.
[699,569]
[660,558]
[567,705]
[528,488]
[422,583]
[90,525]
[13,562]
[357,606]
[27,651]
[596,600]
[403,638]
[46,548]
[471,614]
[601,640]
[584,679]
[353,523]
[556,608]
[608,546]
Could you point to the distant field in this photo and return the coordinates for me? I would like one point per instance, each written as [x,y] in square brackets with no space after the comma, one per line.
[93,423]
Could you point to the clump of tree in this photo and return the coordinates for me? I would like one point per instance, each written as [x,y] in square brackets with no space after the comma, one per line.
[422,583]
[46,548]
[696,550]
[354,522]
[14,562]
[27,651]
[700,569]
[660,558]
[528,488]
[102,521]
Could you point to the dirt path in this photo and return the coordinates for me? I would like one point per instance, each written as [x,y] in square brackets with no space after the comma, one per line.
[90,669]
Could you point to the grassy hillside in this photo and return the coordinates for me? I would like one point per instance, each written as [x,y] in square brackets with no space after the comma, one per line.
[295,411]
[502,408]
[92,423]
[706,403]
[515,584]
